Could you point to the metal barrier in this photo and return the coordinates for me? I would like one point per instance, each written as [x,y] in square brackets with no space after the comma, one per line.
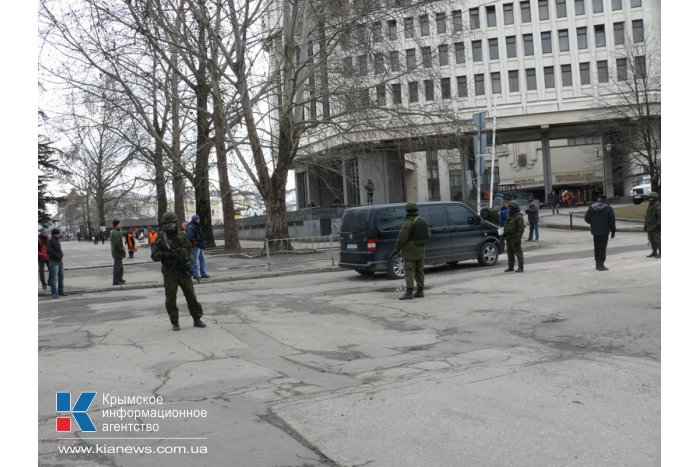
[290,251]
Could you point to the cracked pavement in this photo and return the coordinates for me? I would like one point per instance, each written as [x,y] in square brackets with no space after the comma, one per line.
[557,366]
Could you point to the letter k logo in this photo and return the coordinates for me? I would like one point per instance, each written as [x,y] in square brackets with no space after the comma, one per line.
[79,411]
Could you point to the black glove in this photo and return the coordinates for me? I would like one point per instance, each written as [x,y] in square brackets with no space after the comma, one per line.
[612,235]
[645,228]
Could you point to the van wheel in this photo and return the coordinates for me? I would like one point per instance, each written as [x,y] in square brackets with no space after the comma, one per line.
[365,272]
[396,267]
[488,256]
[637,200]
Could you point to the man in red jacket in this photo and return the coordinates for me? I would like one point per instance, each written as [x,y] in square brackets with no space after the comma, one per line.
[43,256]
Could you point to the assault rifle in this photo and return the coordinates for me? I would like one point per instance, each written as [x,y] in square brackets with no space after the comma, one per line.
[172,260]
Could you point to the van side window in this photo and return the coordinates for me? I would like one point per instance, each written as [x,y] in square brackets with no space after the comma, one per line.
[460,215]
[435,215]
[390,218]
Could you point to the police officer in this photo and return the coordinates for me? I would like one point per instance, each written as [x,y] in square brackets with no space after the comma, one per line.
[652,225]
[411,246]
[513,231]
[174,251]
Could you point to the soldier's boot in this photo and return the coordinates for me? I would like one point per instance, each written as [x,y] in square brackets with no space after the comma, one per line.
[653,254]
[419,293]
[176,326]
[198,323]
[601,266]
[520,269]
[509,269]
[408,295]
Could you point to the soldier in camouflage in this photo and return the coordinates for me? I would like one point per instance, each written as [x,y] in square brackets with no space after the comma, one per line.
[652,225]
[513,231]
[411,246]
[174,251]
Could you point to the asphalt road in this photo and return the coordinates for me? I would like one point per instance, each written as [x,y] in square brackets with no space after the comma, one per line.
[556,366]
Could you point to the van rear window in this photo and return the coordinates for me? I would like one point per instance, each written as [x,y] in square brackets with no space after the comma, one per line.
[390,218]
[355,221]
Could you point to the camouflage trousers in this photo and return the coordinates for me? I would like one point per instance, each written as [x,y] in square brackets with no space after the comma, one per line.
[515,249]
[173,280]
[654,240]
[414,272]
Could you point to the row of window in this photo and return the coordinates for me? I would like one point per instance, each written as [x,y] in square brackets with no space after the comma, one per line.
[410,27]
[565,75]
[528,48]
[543,10]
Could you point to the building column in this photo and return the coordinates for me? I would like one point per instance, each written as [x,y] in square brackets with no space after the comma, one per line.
[546,160]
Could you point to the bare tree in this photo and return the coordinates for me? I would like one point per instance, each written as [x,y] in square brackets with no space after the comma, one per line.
[632,108]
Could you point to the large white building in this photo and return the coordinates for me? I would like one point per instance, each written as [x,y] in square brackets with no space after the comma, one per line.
[552,68]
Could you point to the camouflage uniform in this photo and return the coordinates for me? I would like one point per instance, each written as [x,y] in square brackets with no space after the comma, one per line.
[513,231]
[652,225]
[174,275]
[411,246]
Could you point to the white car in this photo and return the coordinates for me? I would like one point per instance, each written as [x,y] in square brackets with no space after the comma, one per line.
[641,192]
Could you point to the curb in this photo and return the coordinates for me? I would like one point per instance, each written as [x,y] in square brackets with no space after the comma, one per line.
[154,285]
[582,227]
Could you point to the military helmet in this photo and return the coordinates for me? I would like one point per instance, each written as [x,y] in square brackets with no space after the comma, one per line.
[168,217]
[514,205]
[411,207]
[654,195]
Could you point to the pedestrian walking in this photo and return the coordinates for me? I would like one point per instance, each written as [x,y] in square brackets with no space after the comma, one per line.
[43,257]
[118,253]
[53,245]
[174,250]
[503,214]
[411,246]
[554,202]
[652,225]
[130,243]
[152,234]
[601,217]
[513,231]
[96,236]
[196,236]
[369,187]
[533,218]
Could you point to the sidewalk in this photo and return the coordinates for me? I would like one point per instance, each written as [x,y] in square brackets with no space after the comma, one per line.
[575,216]
[88,267]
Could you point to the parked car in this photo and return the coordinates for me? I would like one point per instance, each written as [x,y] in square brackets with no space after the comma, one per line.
[641,192]
[368,237]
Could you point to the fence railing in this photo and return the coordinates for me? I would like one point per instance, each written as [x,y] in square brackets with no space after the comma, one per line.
[289,251]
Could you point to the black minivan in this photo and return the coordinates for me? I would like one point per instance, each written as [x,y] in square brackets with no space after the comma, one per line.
[368,237]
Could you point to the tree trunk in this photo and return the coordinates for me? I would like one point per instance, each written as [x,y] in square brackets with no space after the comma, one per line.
[276,230]
[204,142]
[161,195]
[231,241]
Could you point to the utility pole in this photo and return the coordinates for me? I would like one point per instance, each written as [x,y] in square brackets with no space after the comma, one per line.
[478,149]
[493,155]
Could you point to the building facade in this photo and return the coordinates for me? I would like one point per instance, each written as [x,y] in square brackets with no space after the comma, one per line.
[555,73]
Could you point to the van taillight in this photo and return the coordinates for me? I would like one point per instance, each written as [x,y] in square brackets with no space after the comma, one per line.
[371,245]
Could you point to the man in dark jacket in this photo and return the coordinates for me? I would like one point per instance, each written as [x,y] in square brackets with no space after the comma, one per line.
[652,225]
[601,217]
[196,236]
[513,231]
[43,257]
[533,218]
[174,250]
[411,246]
[118,253]
[53,246]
